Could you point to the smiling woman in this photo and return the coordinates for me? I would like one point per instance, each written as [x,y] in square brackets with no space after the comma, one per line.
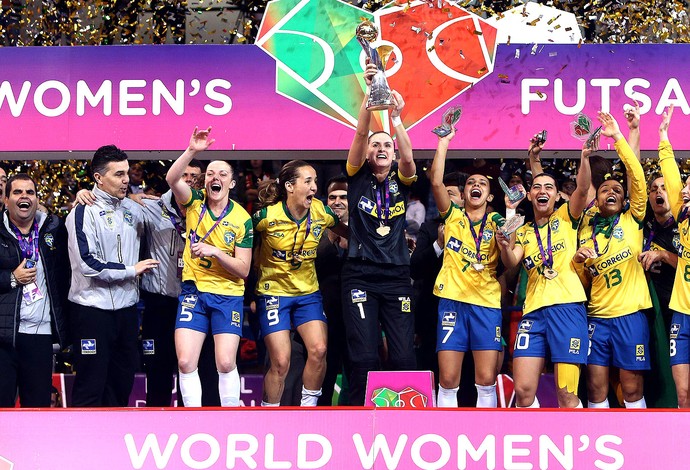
[291,223]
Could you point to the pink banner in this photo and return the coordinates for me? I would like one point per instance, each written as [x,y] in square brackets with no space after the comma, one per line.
[344,438]
[151,97]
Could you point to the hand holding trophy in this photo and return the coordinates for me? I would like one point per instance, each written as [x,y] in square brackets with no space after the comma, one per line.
[380,97]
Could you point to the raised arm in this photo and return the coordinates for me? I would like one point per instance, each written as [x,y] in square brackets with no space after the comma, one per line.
[632,116]
[438,168]
[406,165]
[199,142]
[578,200]
[535,148]
[669,167]
[358,148]
[633,167]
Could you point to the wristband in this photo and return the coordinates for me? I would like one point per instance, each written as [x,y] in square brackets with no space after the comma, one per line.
[396,121]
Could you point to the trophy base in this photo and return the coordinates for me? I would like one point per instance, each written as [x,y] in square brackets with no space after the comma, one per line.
[379,105]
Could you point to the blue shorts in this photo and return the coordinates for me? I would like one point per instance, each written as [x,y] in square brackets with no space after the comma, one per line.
[621,342]
[680,339]
[197,309]
[559,329]
[466,327]
[279,313]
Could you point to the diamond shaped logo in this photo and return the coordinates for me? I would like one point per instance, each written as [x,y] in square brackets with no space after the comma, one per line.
[438,54]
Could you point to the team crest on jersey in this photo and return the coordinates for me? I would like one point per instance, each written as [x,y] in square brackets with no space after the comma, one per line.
[236,318]
[488,233]
[449,318]
[280,254]
[317,231]
[148,347]
[454,244]
[574,346]
[50,241]
[358,296]
[555,223]
[392,186]
[88,346]
[618,233]
[228,237]
[675,329]
[639,353]
[525,326]
[129,218]
[590,330]
[405,304]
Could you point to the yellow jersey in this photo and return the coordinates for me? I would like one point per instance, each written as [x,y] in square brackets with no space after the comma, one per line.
[464,277]
[288,248]
[680,297]
[234,230]
[565,287]
[618,282]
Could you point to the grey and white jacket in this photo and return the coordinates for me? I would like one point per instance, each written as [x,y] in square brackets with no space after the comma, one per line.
[104,241]
[165,244]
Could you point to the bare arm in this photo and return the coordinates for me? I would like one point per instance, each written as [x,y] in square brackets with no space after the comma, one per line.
[237,265]
[358,148]
[632,116]
[437,170]
[534,151]
[406,165]
[578,200]
[199,142]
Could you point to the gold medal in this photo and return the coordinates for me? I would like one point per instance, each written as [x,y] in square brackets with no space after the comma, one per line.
[478,267]
[550,273]
[383,230]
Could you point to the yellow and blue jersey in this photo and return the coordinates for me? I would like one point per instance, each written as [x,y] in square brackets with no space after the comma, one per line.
[286,257]
[233,231]
[458,279]
[566,286]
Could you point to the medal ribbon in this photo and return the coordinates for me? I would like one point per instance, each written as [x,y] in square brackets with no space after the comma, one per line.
[478,238]
[607,233]
[383,218]
[173,218]
[656,224]
[201,216]
[546,255]
[294,241]
[29,244]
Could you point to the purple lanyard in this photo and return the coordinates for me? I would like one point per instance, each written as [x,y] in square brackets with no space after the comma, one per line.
[173,218]
[594,234]
[201,216]
[294,241]
[546,256]
[478,238]
[27,245]
[655,224]
[387,200]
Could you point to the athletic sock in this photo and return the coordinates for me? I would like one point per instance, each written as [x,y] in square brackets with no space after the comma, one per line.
[603,404]
[229,388]
[309,397]
[447,397]
[190,389]
[535,404]
[641,403]
[486,396]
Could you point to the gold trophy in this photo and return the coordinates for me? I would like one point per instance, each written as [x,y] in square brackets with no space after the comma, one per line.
[380,97]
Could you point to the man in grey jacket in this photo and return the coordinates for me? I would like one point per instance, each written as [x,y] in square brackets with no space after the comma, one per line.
[104,251]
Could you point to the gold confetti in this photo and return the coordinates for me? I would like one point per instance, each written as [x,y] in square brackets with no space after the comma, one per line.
[503,76]
[431,49]
[540,94]
[482,70]
[478,33]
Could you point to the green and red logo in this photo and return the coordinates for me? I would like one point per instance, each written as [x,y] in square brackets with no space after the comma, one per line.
[438,53]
